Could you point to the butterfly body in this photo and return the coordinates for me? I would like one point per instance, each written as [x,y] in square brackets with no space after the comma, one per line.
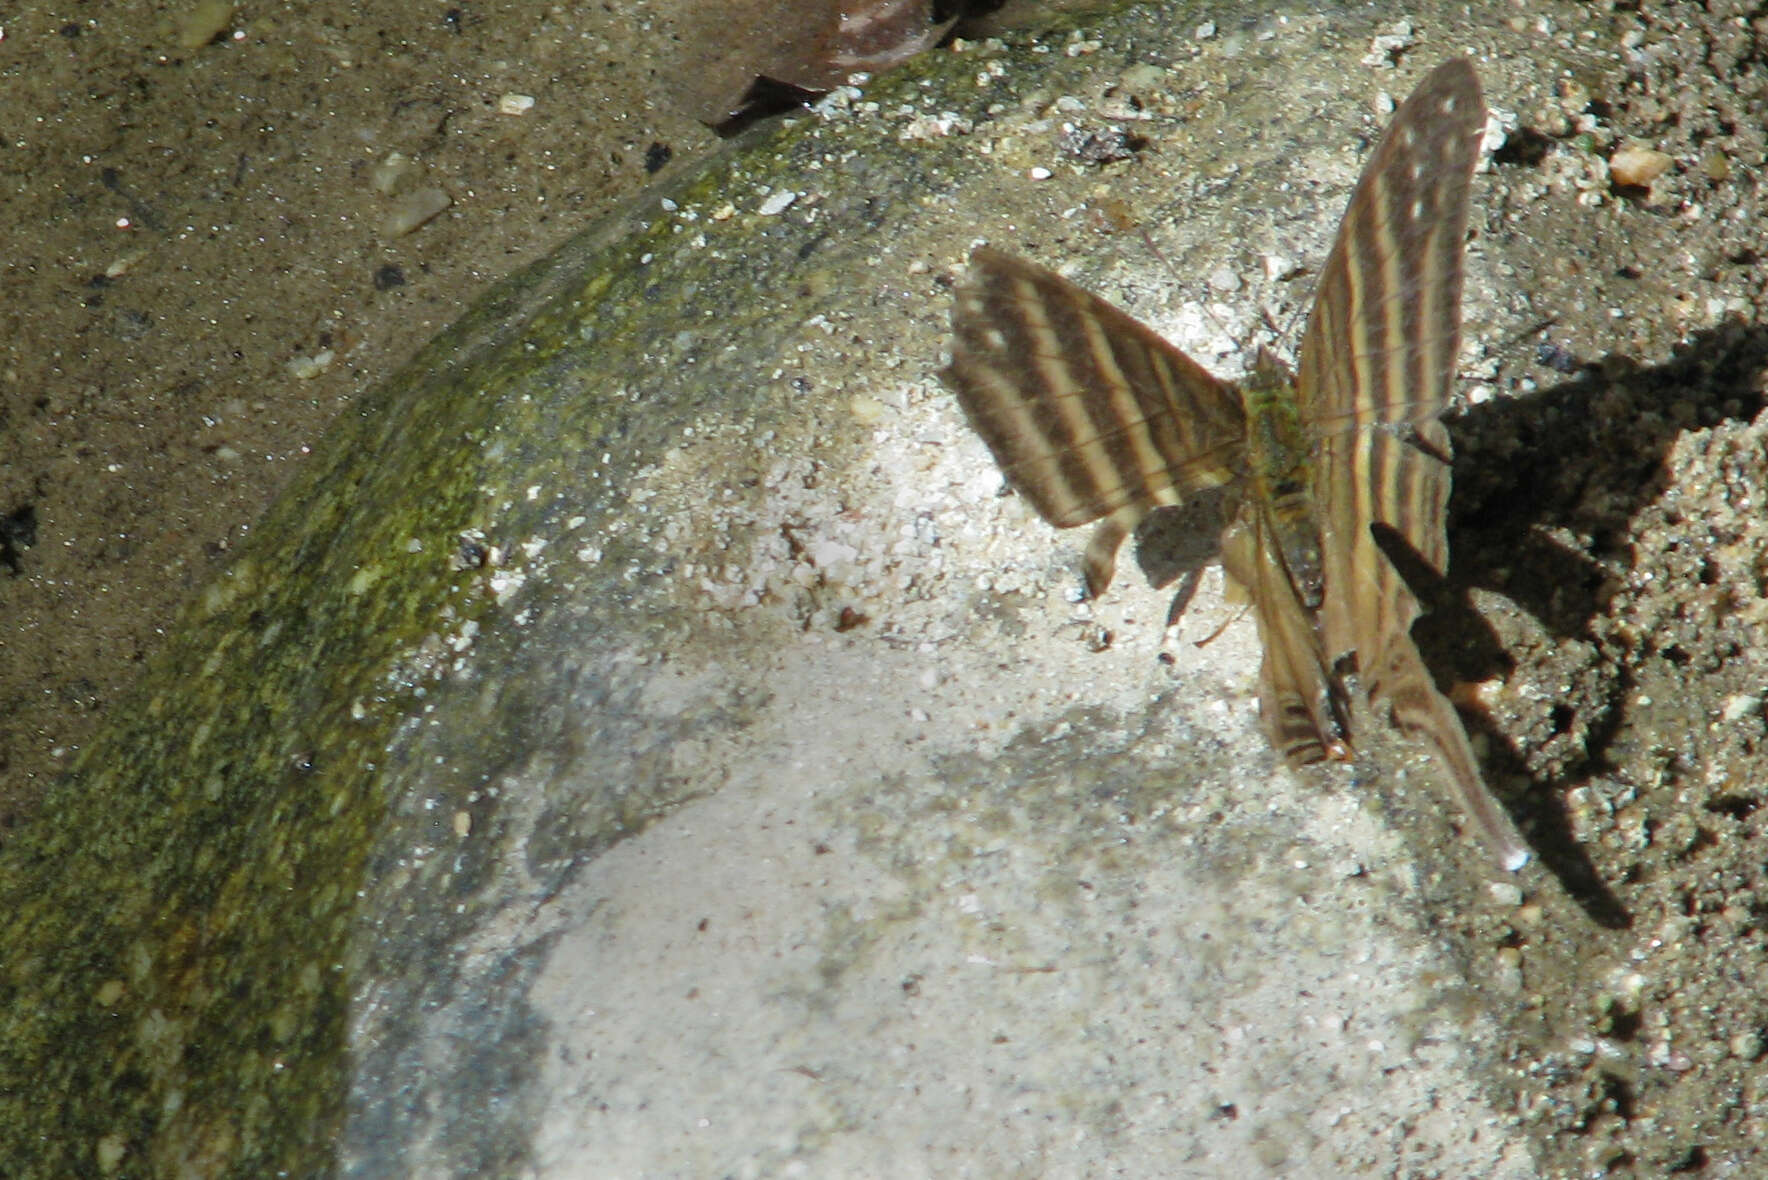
[1280,475]
[1092,416]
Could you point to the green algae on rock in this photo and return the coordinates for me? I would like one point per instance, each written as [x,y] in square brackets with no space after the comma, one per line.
[186,917]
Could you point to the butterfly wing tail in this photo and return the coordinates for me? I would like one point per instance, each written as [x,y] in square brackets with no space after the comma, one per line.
[1397,675]
[1376,622]
[1100,561]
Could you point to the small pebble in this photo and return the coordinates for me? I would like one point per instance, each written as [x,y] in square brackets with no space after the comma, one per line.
[392,174]
[777,202]
[413,209]
[305,368]
[1505,893]
[868,410]
[1508,973]
[1637,167]
[1224,279]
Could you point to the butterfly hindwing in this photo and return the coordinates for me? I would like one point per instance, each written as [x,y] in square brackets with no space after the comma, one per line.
[1301,703]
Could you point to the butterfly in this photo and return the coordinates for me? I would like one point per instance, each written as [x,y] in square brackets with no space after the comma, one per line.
[1092,416]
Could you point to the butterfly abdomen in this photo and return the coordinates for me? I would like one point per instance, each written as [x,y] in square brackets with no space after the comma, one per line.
[1280,470]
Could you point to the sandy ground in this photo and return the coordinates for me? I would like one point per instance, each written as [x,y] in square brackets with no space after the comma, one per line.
[203,269]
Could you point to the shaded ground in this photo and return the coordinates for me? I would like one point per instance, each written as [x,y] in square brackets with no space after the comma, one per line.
[207,277]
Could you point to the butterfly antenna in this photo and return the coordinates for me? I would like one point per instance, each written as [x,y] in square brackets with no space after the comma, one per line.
[1264,313]
[1148,241]
[1124,221]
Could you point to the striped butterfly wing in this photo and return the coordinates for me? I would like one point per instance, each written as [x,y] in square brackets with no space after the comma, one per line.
[1376,367]
[1090,414]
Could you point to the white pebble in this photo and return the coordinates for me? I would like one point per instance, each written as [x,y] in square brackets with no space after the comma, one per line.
[777,202]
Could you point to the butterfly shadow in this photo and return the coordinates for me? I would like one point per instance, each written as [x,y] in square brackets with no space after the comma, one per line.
[1174,545]
[1578,459]
[1546,488]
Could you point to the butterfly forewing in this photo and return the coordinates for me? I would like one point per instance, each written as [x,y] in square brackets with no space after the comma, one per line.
[1380,346]
[1089,413]
[1380,352]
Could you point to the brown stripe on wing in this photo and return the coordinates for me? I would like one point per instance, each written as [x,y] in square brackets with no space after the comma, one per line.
[1380,347]
[1300,701]
[1377,365]
[1088,412]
